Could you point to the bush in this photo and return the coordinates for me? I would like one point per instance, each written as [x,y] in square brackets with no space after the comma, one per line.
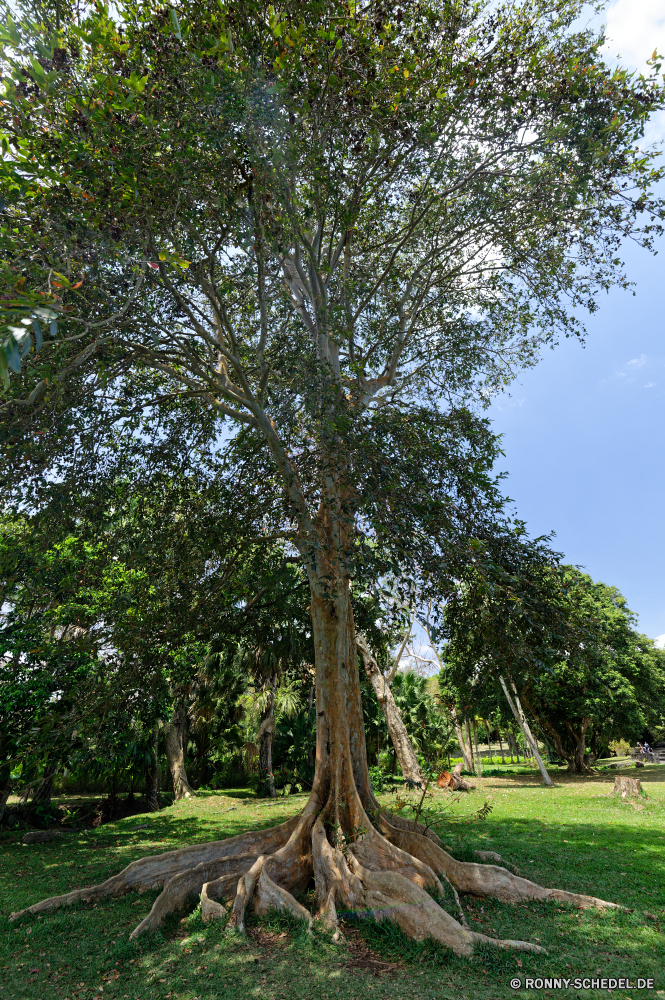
[379,778]
[621,747]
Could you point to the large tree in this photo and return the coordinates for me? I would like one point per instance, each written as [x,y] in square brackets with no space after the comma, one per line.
[334,226]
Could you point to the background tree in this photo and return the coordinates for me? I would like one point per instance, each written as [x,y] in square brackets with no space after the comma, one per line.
[334,228]
[555,642]
[610,684]
[273,646]
[381,681]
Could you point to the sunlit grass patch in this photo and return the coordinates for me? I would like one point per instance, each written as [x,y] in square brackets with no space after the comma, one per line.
[575,836]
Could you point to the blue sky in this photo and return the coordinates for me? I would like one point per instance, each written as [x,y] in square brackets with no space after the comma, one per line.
[583,432]
[583,436]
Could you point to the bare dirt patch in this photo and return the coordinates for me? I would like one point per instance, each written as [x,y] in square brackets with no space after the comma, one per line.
[268,939]
[364,959]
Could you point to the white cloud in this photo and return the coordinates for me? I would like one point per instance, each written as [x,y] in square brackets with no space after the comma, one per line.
[634,29]
[649,385]
[638,362]
[659,641]
[509,404]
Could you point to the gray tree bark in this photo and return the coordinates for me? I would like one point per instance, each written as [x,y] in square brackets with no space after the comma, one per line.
[470,745]
[479,763]
[175,738]
[520,718]
[398,734]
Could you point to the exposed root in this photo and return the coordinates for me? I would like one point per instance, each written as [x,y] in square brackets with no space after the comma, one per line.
[409,826]
[483,880]
[487,856]
[210,892]
[244,893]
[387,869]
[157,869]
[181,886]
[334,880]
[376,877]
[462,916]
[272,877]
[376,853]
[270,896]
[390,896]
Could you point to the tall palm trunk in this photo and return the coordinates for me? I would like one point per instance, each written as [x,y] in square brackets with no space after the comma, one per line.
[266,733]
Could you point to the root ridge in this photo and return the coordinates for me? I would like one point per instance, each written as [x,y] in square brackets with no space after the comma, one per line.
[479,879]
[157,869]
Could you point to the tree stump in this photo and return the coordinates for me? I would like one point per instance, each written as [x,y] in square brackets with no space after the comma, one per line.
[628,787]
[455,782]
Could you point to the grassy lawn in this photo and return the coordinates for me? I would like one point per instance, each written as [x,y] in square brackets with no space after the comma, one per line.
[575,836]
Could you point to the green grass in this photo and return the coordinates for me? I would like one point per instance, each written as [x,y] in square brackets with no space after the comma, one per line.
[576,836]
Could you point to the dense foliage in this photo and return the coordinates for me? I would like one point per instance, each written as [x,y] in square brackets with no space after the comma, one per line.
[568,644]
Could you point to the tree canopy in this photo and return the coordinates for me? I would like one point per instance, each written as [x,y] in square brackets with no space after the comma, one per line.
[333,230]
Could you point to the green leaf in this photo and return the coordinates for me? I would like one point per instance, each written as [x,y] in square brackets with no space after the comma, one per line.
[176,24]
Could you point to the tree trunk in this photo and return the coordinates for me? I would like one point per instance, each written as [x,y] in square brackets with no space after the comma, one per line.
[479,763]
[175,739]
[547,727]
[470,744]
[465,749]
[310,709]
[265,737]
[579,754]
[489,740]
[398,734]
[152,777]
[498,729]
[44,790]
[5,792]
[627,787]
[520,718]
